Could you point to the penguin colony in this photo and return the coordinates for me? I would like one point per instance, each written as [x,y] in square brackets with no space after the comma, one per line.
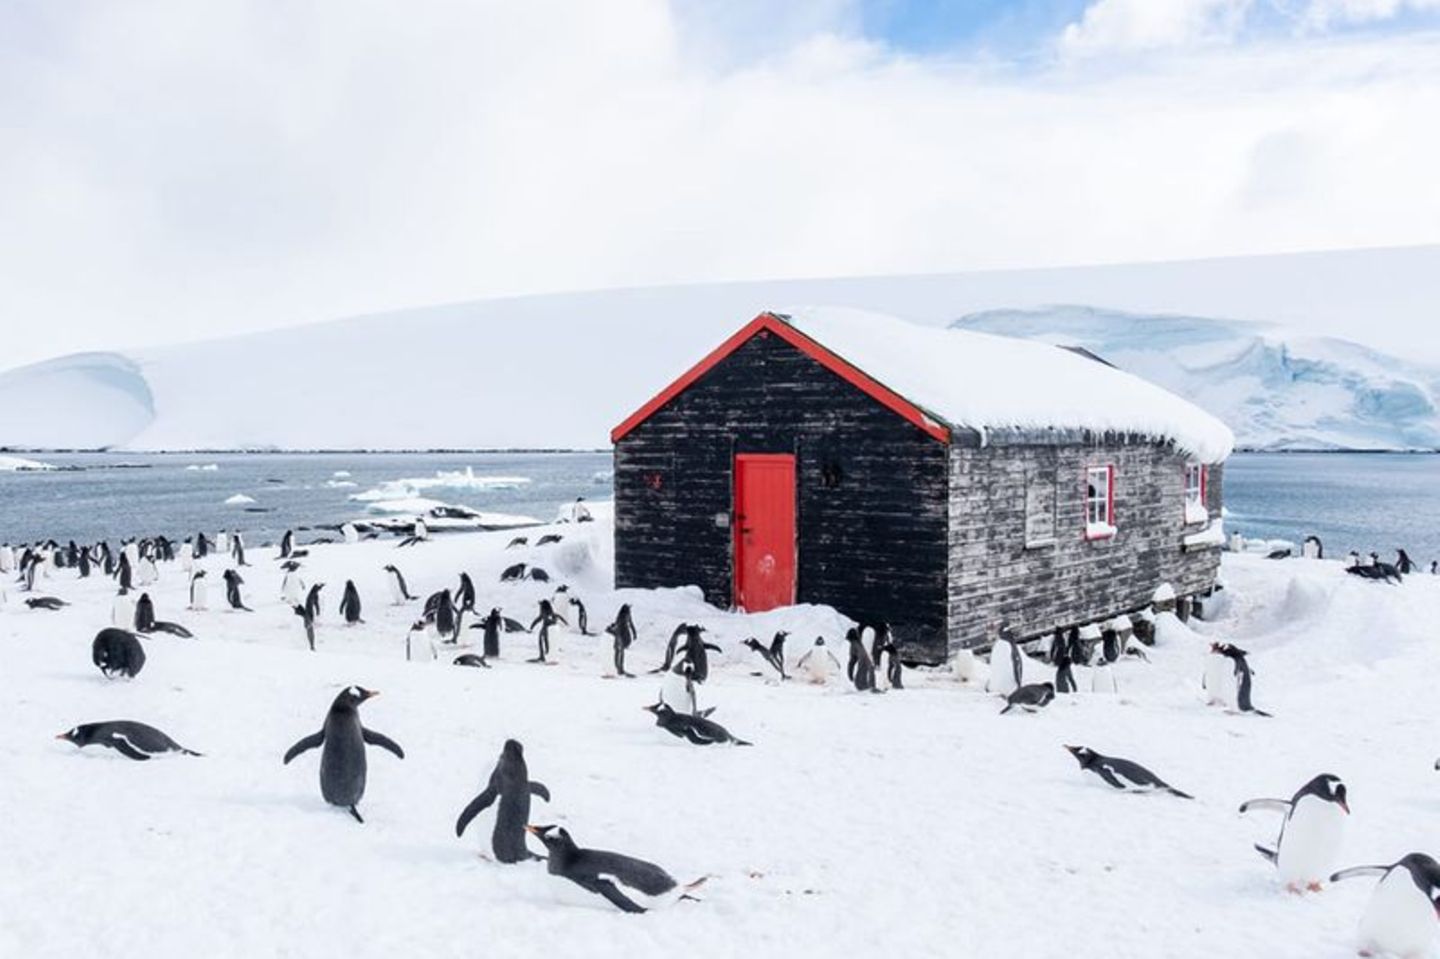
[1400,918]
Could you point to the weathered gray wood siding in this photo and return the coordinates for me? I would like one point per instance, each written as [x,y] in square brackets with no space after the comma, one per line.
[995,578]
[873,544]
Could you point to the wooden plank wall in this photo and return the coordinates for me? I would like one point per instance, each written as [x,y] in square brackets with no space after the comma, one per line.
[995,578]
[872,544]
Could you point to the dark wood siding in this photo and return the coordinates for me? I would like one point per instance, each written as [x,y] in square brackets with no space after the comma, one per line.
[871,491]
[996,578]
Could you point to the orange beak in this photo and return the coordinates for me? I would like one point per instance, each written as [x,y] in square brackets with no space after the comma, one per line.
[532,830]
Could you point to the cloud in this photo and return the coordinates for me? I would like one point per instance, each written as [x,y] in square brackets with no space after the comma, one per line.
[1109,25]
[171,170]
[1322,14]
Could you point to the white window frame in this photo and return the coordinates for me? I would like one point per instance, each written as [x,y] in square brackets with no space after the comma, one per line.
[1195,481]
[1100,506]
[1042,487]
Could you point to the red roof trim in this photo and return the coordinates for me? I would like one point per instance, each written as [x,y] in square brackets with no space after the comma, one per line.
[769,322]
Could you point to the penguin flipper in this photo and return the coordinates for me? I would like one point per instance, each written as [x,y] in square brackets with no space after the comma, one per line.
[1273,805]
[309,742]
[606,888]
[383,741]
[124,747]
[1354,871]
[539,789]
[1104,773]
[476,807]
[1177,793]
[356,813]
[1269,854]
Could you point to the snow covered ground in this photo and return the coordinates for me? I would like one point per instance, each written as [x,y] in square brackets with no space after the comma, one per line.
[919,822]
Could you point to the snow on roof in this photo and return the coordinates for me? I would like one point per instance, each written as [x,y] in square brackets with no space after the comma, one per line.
[987,382]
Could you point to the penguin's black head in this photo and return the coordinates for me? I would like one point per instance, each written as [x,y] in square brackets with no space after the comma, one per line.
[555,838]
[352,696]
[415,627]
[1081,753]
[781,633]
[79,735]
[819,640]
[752,642]
[513,750]
[1049,686]
[660,709]
[1328,787]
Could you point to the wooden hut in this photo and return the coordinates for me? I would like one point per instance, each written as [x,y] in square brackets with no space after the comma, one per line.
[945,482]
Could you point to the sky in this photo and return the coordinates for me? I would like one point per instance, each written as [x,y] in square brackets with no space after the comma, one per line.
[172,170]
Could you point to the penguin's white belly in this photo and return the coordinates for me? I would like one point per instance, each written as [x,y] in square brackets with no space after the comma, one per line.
[292,590]
[1102,680]
[395,596]
[1399,918]
[122,613]
[198,600]
[1219,680]
[818,669]
[676,696]
[1002,670]
[1310,846]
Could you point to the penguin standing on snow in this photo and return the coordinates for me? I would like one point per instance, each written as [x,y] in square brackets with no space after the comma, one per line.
[817,662]
[342,762]
[440,614]
[198,590]
[287,544]
[511,784]
[1007,672]
[237,549]
[399,593]
[1060,650]
[117,653]
[417,643]
[1403,563]
[859,668]
[350,604]
[465,594]
[1400,918]
[312,601]
[124,574]
[128,738]
[696,652]
[546,618]
[232,590]
[1218,680]
[122,610]
[1312,548]
[1242,676]
[1122,773]
[492,624]
[623,632]
[582,618]
[1311,834]
[308,623]
[774,654]
[893,677]
[292,588]
[670,648]
[632,885]
[144,614]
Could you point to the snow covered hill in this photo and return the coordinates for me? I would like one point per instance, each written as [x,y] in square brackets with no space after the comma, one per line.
[560,370]
[1275,388]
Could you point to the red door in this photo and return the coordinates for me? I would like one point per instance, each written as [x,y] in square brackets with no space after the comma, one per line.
[764,531]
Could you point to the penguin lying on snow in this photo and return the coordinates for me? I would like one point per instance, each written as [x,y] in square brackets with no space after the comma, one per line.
[549,538]
[470,659]
[1311,834]
[517,541]
[1122,773]
[45,602]
[510,783]
[632,885]
[1400,918]
[117,653]
[342,763]
[512,573]
[695,728]
[1030,698]
[127,737]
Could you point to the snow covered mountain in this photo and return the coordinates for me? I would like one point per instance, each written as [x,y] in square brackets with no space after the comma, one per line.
[559,371]
[1276,389]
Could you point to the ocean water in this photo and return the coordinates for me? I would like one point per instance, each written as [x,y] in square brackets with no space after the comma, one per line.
[113,495]
[1359,501]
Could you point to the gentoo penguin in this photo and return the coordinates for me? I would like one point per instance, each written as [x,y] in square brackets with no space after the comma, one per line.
[1310,837]
[1312,548]
[122,610]
[1400,918]
[894,678]
[1030,698]
[774,654]
[422,532]
[859,668]
[546,618]
[342,762]
[1242,676]
[697,729]
[144,614]
[350,604]
[465,594]
[1061,656]
[307,621]
[678,688]
[117,653]
[1122,773]
[623,632]
[512,573]
[470,659]
[517,541]
[582,616]
[549,538]
[222,543]
[670,648]
[539,575]
[817,663]
[83,562]
[287,544]
[697,652]
[440,614]
[232,590]
[1102,678]
[1435,567]
[127,737]
[198,590]
[399,593]
[312,601]
[237,549]
[1403,563]
[350,532]
[632,885]
[124,573]
[511,784]
[1219,678]
[7,558]
[292,588]
[1007,672]
[492,626]
[145,571]
[417,644]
